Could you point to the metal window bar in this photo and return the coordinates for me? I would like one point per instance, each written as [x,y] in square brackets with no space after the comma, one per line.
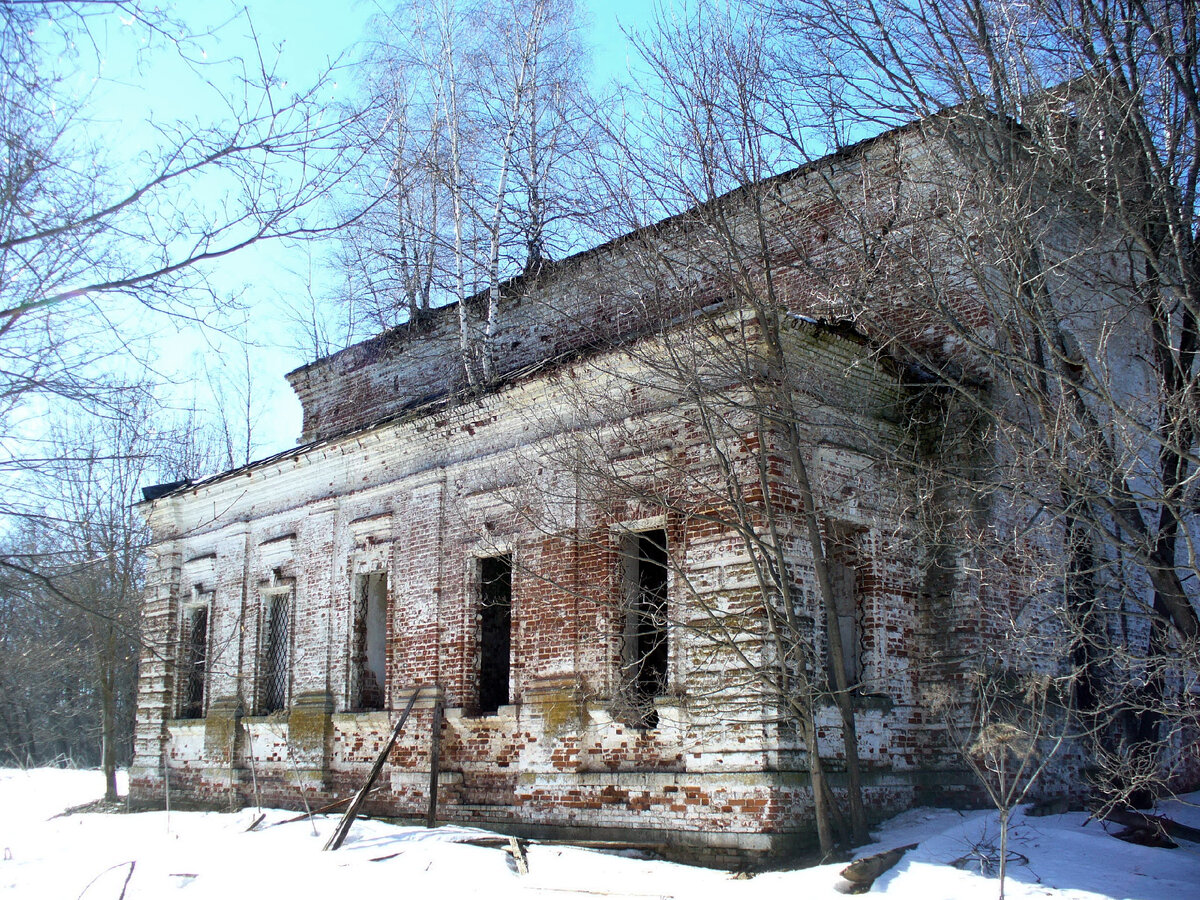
[274,678]
[194,663]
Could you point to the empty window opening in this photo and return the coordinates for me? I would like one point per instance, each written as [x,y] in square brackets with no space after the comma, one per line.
[843,564]
[644,650]
[369,653]
[194,661]
[495,631]
[274,669]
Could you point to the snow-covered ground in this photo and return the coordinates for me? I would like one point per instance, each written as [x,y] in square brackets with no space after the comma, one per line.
[210,855]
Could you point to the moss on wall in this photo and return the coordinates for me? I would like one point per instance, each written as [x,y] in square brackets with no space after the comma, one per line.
[310,728]
[223,730]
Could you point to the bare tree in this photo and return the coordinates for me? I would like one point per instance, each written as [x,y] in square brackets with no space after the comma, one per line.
[1073,130]
[234,407]
[1049,341]
[100,245]
[80,564]
[47,709]
[473,131]
[98,241]
[1009,734]
[71,580]
[704,346]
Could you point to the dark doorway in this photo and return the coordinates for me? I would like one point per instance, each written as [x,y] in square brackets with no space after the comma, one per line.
[495,631]
[195,630]
[645,648]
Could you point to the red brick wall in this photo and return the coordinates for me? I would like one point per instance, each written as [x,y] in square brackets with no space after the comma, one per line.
[422,500]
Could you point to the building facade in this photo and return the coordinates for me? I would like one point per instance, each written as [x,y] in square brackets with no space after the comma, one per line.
[596,565]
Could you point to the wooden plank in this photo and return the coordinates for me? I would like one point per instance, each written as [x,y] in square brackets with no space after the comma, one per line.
[435,749]
[316,812]
[518,855]
[343,829]
[501,840]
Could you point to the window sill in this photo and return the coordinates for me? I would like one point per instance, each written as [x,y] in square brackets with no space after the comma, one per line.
[274,718]
[507,713]
[377,718]
[865,702]
[671,710]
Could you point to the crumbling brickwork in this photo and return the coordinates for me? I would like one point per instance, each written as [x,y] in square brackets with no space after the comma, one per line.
[405,483]
[422,500]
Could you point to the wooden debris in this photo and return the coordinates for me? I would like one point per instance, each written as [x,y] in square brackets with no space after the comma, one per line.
[256,822]
[484,840]
[858,877]
[124,887]
[1151,826]
[518,855]
[343,829]
[435,750]
[1145,837]
[1055,806]
[93,806]
[316,812]
[985,860]
[500,840]
[128,876]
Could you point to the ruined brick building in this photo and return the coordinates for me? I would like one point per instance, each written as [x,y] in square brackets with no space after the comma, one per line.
[553,558]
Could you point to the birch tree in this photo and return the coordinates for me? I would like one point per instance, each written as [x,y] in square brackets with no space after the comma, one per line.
[703,293]
[474,128]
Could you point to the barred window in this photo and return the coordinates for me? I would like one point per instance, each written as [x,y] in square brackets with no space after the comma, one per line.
[274,657]
[193,656]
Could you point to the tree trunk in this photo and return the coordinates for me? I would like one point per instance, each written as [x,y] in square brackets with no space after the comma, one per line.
[841,694]
[108,715]
[1004,813]
[816,771]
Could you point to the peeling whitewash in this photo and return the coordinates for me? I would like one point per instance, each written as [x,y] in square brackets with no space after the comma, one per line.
[402,486]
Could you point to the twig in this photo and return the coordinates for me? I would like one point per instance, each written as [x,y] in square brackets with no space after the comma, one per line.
[128,875]
[131,863]
[300,786]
